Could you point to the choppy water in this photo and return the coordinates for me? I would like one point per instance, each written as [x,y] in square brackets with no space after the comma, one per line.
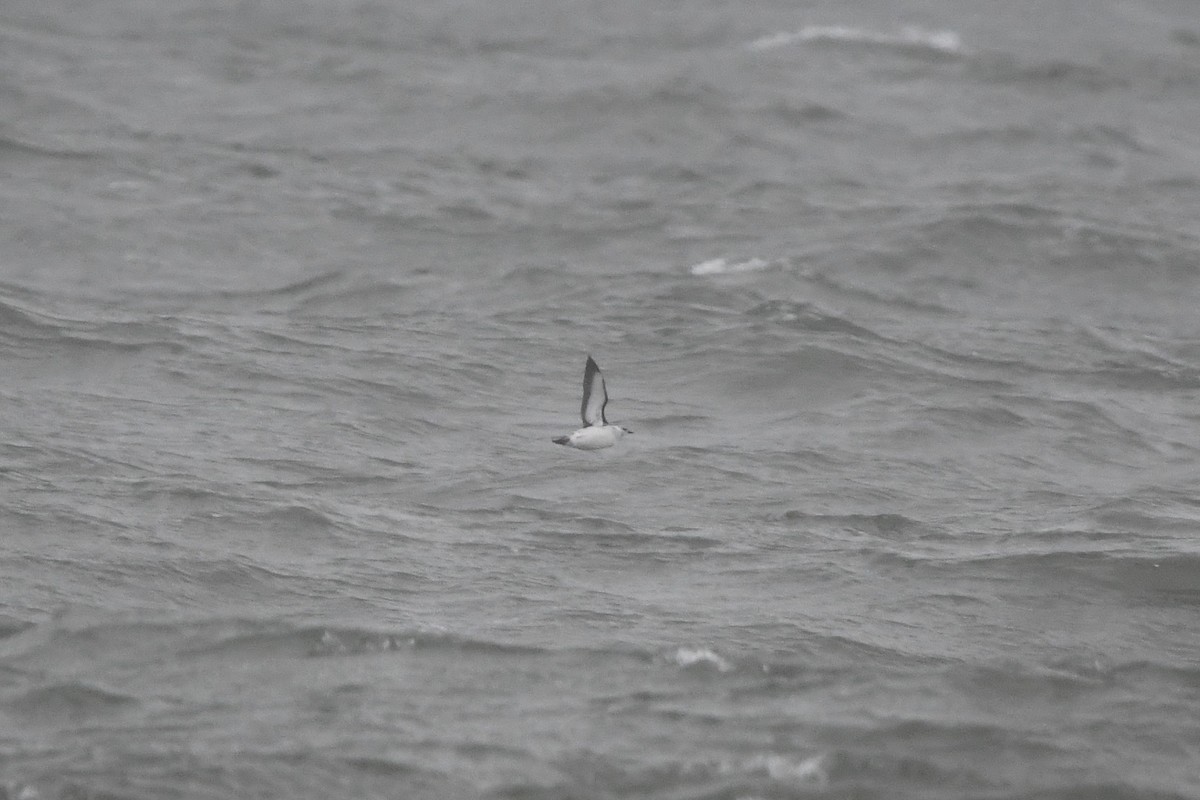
[900,300]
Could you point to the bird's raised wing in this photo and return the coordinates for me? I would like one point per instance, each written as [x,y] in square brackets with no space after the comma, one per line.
[595,395]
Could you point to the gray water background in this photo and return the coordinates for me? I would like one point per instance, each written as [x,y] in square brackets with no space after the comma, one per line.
[900,300]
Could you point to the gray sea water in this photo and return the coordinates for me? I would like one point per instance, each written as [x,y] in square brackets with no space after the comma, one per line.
[899,298]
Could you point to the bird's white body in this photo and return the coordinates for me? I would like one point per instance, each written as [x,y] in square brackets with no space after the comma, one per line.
[595,437]
[596,432]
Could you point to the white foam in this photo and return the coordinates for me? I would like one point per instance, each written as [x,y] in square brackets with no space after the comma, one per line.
[944,41]
[723,266]
[811,771]
[691,656]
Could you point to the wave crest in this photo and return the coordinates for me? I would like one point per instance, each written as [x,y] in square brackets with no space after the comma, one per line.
[909,37]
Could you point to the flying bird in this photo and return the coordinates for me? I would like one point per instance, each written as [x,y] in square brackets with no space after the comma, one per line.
[596,432]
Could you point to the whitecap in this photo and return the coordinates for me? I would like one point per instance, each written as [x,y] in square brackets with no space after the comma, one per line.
[723,266]
[692,656]
[943,41]
[810,771]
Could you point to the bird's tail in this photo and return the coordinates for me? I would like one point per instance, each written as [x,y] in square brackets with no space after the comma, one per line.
[561,439]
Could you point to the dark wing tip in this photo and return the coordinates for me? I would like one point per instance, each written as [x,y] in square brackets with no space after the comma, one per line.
[590,370]
[561,439]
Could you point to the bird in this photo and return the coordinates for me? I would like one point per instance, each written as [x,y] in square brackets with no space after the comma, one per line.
[597,432]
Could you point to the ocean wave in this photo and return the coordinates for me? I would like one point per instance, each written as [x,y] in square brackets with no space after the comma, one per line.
[10,146]
[319,283]
[121,771]
[10,626]
[810,317]
[777,772]
[909,37]
[1156,510]
[329,641]
[355,641]
[724,266]
[73,700]
[690,658]
[974,418]
[35,329]
[1110,137]
[770,773]
[296,518]
[18,320]
[1020,237]
[797,114]
[887,296]
[184,577]
[1089,562]
[560,524]
[812,771]
[982,228]
[1048,73]
[84,637]
[1106,243]
[885,524]
[1068,678]
[1171,579]
[679,420]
